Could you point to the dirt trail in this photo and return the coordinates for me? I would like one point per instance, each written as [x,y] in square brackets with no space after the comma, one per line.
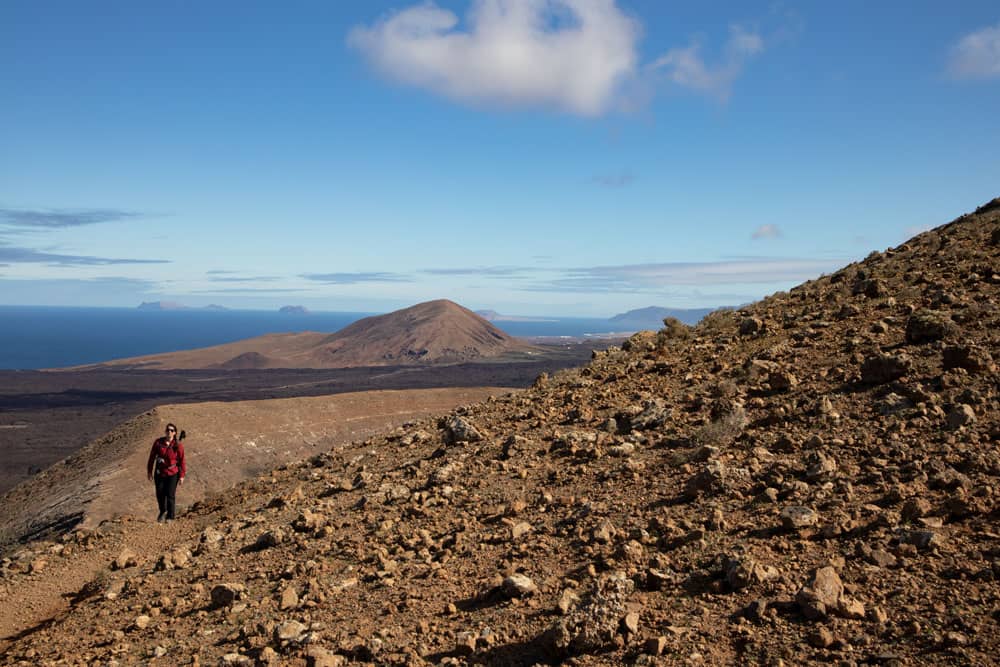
[230,442]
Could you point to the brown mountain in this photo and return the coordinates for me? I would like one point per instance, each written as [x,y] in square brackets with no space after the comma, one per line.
[435,332]
[810,479]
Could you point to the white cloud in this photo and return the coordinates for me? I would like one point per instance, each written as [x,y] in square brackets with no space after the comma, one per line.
[977,55]
[573,55]
[766,232]
[655,277]
[687,68]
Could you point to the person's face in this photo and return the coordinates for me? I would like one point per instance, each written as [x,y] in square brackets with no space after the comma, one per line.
[171,431]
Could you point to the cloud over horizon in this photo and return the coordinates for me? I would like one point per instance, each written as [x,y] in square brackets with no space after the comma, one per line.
[62,218]
[357,277]
[768,231]
[15,255]
[481,271]
[977,55]
[572,55]
[655,277]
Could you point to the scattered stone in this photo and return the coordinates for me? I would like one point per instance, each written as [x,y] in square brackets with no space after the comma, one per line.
[851,608]
[914,508]
[594,624]
[797,517]
[925,326]
[630,624]
[820,465]
[290,631]
[308,522]
[224,595]
[972,358]
[604,532]
[655,645]
[821,594]
[883,368]
[125,558]
[922,539]
[114,590]
[519,530]
[782,380]
[654,413]
[892,404]
[567,601]
[742,571]
[459,430]
[317,656]
[270,538]
[289,599]
[518,585]
[141,622]
[821,637]
[961,415]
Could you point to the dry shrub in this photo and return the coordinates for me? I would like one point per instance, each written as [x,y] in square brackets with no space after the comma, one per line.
[673,329]
[719,321]
[724,430]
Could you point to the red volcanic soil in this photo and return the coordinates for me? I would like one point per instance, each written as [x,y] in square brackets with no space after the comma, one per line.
[227,443]
[435,332]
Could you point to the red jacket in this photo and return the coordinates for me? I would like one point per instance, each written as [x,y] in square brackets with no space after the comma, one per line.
[171,458]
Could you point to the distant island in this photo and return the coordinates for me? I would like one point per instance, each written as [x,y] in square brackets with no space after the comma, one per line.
[652,317]
[293,310]
[174,305]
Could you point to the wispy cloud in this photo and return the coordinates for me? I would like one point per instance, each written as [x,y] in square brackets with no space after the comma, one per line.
[250,290]
[618,179]
[61,218]
[656,277]
[766,232]
[64,291]
[572,55]
[481,271]
[216,278]
[15,255]
[977,55]
[357,278]
[687,67]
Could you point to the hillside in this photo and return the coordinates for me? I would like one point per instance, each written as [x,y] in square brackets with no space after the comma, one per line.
[811,479]
[435,332]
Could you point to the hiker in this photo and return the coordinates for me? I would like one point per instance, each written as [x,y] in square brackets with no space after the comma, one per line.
[166,467]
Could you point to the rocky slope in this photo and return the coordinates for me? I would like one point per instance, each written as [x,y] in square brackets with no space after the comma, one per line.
[434,332]
[811,479]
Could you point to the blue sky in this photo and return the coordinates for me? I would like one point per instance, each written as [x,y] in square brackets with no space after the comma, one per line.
[561,157]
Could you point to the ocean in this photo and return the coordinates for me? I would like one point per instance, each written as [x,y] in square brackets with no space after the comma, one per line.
[33,337]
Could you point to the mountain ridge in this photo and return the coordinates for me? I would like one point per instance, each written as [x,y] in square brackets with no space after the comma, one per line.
[437,332]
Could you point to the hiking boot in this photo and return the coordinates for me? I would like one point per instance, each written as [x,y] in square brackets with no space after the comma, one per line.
[161,518]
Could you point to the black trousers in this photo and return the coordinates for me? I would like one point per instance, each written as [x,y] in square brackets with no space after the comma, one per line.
[166,490]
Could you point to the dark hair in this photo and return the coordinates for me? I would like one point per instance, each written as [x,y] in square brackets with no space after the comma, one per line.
[177,435]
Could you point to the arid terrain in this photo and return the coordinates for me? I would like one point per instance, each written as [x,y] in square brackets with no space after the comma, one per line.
[46,416]
[812,479]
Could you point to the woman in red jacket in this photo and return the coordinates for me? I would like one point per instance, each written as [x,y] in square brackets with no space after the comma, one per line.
[167,468]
